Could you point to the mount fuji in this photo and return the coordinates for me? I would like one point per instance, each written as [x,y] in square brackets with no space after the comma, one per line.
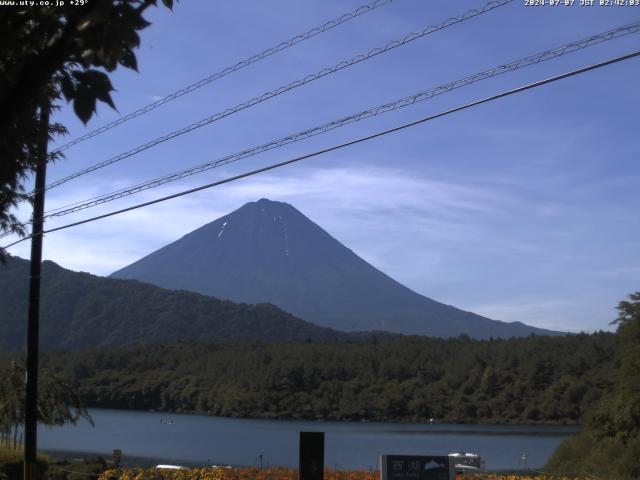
[268,251]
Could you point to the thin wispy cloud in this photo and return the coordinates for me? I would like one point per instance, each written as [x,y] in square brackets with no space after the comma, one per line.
[353,203]
[446,237]
[522,209]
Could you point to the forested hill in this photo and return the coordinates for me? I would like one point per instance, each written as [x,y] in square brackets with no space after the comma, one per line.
[79,310]
[523,380]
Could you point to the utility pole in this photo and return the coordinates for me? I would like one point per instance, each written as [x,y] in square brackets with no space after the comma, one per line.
[33,325]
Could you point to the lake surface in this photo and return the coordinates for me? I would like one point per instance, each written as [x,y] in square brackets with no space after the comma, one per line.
[202,440]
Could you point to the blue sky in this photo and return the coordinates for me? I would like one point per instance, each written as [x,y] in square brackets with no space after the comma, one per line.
[522,209]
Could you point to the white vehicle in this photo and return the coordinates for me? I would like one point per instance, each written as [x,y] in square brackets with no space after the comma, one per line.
[464,464]
[170,467]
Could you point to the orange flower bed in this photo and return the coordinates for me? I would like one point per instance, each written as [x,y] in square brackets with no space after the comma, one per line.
[217,473]
[280,473]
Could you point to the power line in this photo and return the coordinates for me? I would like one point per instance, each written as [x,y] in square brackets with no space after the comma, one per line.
[343,145]
[378,110]
[228,70]
[11,231]
[280,90]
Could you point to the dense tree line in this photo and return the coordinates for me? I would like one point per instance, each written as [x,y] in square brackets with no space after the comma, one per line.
[525,380]
[608,445]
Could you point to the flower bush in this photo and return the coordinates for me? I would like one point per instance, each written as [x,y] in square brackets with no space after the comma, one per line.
[218,473]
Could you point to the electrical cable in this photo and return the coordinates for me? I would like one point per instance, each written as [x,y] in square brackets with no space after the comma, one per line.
[280,90]
[378,110]
[228,70]
[342,145]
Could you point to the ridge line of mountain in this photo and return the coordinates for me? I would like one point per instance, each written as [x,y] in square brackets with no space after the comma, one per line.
[268,251]
[79,310]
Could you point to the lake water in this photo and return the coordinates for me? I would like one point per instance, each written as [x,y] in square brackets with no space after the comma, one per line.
[201,440]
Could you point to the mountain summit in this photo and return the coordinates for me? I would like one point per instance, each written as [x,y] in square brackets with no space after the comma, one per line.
[268,251]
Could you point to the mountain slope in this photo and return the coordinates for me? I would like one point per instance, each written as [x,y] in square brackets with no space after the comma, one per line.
[270,252]
[80,310]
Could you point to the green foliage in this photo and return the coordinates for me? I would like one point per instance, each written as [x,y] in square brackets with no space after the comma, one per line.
[50,53]
[76,470]
[406,378]
[12,462]
[78,310]
[607,458]
[10,455]
[609,443]
[57,404]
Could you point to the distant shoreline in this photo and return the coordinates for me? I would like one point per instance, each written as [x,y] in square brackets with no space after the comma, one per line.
[342,420]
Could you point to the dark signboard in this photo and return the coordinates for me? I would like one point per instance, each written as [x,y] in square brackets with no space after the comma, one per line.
[311,455]
[414,467]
